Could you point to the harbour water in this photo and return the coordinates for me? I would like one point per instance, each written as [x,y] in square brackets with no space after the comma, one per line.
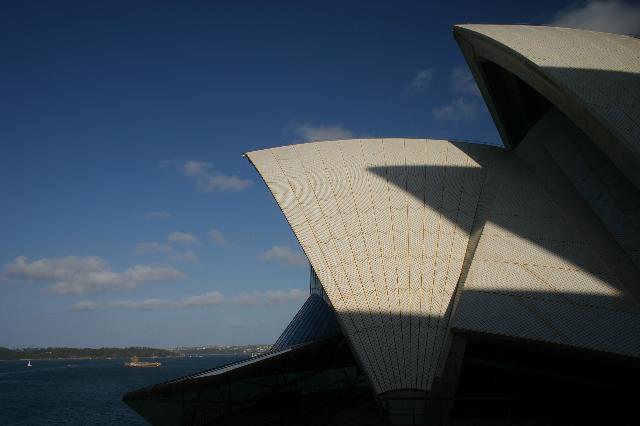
[84,392]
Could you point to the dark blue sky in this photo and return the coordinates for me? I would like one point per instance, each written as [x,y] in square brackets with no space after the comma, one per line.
[122,126]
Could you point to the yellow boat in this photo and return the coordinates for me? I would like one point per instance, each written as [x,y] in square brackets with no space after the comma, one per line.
[135,362]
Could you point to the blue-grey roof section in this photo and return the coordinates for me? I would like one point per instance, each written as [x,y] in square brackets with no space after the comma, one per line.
[315,320]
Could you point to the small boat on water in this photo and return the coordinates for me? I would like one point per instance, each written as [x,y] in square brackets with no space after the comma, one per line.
[29,364]
[135,362]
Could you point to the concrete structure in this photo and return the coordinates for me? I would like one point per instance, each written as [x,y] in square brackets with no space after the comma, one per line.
[434,259]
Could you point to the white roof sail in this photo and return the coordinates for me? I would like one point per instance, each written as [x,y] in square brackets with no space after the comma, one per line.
[385,224]
[411,237]
[592,77]
[541,271]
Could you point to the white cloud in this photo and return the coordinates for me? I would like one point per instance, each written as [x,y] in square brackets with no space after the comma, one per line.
[187,256]
[218,237]
[463,82]
[284,255]
[152,247]
[458,109]
[308,132]
[53,269]
[157,215]
[207,181]
[209,299]
[182,238]
[86,305]
[610,16]
[212,298]
[421,80]
[145,273]
[195,168]
[90,274]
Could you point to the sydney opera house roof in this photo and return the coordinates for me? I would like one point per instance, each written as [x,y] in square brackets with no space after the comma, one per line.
[436,264]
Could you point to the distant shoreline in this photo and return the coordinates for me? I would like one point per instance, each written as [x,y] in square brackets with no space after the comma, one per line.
[120,357]
[65,353]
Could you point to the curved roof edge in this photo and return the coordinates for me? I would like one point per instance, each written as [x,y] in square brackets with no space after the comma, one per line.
[592,77]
